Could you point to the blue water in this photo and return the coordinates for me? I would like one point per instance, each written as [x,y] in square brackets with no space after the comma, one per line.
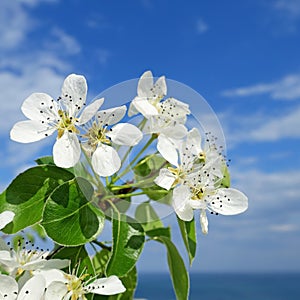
[223,287]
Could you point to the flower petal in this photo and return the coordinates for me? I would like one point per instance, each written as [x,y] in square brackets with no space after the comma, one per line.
[111,116]
[167,149]
[228,202]
[143,106]
[8,287]
[125,134]
[56,291]
[193,141]
[145,84]
[106,160]
[175,109]
[6,259]
[106,286]
[30,131]
[165,179]
[66,150]
[73,93]
[5,218]
[90,111]
[160,88]
[51,275]
[40,107]
[204,221]
[181,196]
[34,288]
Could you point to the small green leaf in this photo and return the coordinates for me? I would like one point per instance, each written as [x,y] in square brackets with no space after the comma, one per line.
[226,177]
[128,242]
[69,218]
[26,195]
[188,233]
[147,216]
[80,260]
[157,232]
[179,275]
[45,160]
[100,260]
[148,167]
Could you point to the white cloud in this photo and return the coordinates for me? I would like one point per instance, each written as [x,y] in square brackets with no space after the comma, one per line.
[63,41]
[14,24]
[285,126]
[289,7]
[201,26]
[284,228]
[287,88]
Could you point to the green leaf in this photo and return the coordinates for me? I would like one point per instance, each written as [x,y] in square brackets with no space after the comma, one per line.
[226,177]
[128,242]
[179,275]
[80,260]
[26,194]
[69,218]
[45,160]
[100,260]
[147,216]
[157,232]
[148,167]
[188,233]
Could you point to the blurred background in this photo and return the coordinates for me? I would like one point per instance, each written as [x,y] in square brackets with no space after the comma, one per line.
[242,56]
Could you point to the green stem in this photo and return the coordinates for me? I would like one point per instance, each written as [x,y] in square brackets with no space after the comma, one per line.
[128,168]
[102,245]
[122,195]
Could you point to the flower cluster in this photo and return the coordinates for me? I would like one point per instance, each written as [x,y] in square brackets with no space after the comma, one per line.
[33,274]
[160,160]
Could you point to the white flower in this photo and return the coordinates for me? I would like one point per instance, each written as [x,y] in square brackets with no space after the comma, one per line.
[46,116]
[181,154]
[148,102]
[148,95]
[5,218]
[22,260]
[66,286]
[198,191]
[33,289]
[105,159]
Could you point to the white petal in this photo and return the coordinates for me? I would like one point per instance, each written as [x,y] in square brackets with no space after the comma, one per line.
[66,150]
[5,218]
[167,149]
[229,202]
[56,291]
[177,131]
[132,110]
[46,264]
[111,116]
[106,160]
[39,107]
[144,107]
[165,179]
[175,109]
[145,84]
[51,276]
[125,134]
[181,196]
[74,92]
[34,288]
[30,131]
[106,286]
[160,88]
[193,141]
[204,221]
[90,111]
[7,260]
[8,288]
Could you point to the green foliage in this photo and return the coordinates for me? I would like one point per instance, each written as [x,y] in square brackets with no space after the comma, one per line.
[128,242]
[226,177]
[69,217]
[178,272]
[189,236]
[27,193]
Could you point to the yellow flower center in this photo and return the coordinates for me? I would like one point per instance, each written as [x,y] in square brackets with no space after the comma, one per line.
[75,286]
[197,193]
[66,123]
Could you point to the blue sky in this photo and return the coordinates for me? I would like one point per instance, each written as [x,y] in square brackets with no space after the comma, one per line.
[242,56]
